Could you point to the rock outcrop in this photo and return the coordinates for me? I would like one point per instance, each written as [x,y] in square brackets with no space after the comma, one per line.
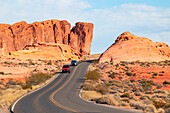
[48,51]
[17,36]
[80,36]
[129,47]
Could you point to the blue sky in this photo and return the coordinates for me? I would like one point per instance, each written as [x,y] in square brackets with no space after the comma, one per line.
[145,18]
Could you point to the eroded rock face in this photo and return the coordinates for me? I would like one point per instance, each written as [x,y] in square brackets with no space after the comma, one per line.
[129,47]
[17,36]
[80,36]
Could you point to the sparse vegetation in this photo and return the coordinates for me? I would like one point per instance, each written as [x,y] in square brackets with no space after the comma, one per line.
[2,73]
[113,75]
[147,85]
[93,75]
[166,82]
[129,74]
[37,78]
[125,95]
[49,63]
[121,80]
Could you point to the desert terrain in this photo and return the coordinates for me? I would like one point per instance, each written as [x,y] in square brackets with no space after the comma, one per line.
[133,73]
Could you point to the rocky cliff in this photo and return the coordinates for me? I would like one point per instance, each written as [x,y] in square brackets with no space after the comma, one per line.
[129,47]
[17,36]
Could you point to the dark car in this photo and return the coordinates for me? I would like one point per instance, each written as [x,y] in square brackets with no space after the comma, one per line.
[66,68]
[73,62]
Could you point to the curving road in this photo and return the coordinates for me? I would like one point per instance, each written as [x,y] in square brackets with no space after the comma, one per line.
[62,96]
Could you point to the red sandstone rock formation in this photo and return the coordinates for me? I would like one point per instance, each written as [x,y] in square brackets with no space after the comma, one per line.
[17,36]
[80,36]
[129,47]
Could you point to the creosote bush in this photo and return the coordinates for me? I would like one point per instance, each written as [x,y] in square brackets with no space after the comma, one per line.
[49,63]
[129,74]
[37,78]
[93,75]
[125,95]
[166,82]
[113,75]
[147,85]
[103,89]
[2,73]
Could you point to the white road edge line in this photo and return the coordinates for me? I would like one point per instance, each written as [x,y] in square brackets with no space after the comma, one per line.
[135,111]
[13,105]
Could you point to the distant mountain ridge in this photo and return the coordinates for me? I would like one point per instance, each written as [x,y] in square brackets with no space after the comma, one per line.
[128,47]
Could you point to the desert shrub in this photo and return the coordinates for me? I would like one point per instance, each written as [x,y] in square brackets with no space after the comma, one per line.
[132,80]
[117,97]
[93,75]
[27,86]
[166,82]
[103,89]
[125,95]
[107,99]
[148,92]
[117,65]
[11,82]
[137,105]
[124,103]
[145,97]
[2,73]
[113,75]
[137,93]
[126,100]
[120,78]
[49,63]
[122,64]
[147,85]
[111,63]
[155,74]
[1,83]
[147,102]
[160,110]
[158,104]
[45,69]
[162,72]
[88,86]
[158,86]
[37,78]
[150,109]
[153,77]
[31,63]
[159,91]
[129,74]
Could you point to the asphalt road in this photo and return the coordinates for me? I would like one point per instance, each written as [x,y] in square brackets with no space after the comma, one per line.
[62,96]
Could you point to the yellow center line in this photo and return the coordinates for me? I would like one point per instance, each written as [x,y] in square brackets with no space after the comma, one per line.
[51,97]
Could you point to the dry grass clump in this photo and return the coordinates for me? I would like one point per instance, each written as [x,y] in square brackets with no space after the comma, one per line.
[94,86]
[9,95]
[13,90]
[137,104]
[160,110]
[90,95]
[150,109]
[93,75]
[38,78]
[107,99]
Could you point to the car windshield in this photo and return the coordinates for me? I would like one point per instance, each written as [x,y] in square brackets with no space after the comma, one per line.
[73,61]
[66,66]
